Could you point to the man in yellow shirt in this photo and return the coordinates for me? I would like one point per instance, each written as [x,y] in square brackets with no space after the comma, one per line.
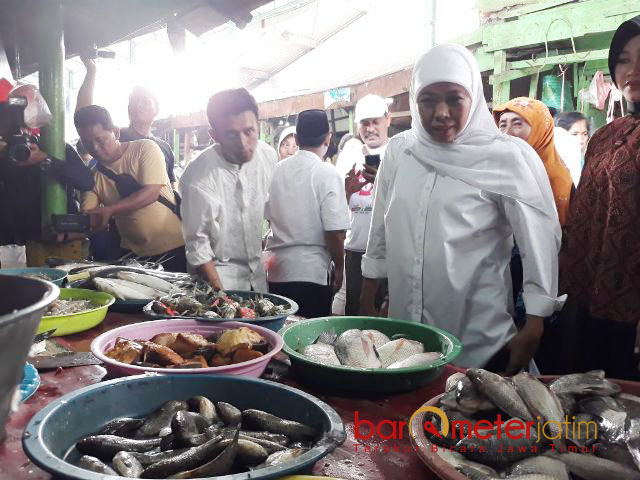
[132,186]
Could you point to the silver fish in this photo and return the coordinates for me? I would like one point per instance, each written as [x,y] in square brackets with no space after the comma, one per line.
[611,417]
[397,350]
[283,457]
[417,359]
[356,350]
[616,453]
[568,403]
[583,430]
[322,353]
[469,399]
[542,403]
[541,465]
[457,460]
[92,463]
[590,467]
[127,465]
[590,383]
[500,391]
[453,379]
[378,338]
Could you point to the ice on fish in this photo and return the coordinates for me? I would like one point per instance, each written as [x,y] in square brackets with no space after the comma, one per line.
[321,353]
[356,350]
[417,359]
[397,350]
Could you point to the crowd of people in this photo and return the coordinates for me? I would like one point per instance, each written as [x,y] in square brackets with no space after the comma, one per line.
[459,222]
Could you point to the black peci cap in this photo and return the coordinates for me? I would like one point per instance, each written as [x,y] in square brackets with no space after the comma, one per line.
[312,126]
[625,32]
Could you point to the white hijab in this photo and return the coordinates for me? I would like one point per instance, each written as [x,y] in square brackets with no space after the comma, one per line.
[480,155]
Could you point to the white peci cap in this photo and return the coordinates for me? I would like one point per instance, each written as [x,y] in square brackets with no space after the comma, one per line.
[372,106]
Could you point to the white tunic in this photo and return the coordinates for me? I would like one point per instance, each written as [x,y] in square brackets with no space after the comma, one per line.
[445,247]
[222,213]
[306,199]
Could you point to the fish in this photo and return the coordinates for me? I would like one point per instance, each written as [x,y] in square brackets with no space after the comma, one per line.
[611,417]
[219,465]
[250,453]
[185,425]
[582,431]
[501,451]
[540,465]
[272,437]
[568,403]
[590,467]
[149,458]
[329,337]
[95,465]
[147,292]
[469,399]
[397,350]
[118,290]
[630,403]
[542,403]
[378,338]
[616,453]
[417,359]
[354,349]
[229,414]
[161,418]
[454,435]
[296,431]
[500,392]
[457,460]
[205,407]
[322,353]
[105,447]
[121,426]
[127,465]
[590,383]
[148,281]
[283,457]
[453,379]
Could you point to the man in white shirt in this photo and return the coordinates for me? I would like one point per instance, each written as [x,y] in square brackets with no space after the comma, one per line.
[224,191]
[373,121]
[308,212]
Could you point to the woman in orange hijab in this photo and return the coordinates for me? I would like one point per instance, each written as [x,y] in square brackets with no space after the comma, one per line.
[531,120]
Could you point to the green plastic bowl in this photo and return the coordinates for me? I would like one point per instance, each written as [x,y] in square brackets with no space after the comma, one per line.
[55,276]
[77,322]
[365,381]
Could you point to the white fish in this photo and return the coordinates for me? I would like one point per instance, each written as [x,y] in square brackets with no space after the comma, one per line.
[378,338]
[119,290]
[322,353]
[148,292]
[396,350]
[356,350]
[417,359]
[148,281]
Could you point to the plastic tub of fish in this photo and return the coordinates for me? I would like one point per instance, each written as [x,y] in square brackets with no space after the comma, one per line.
[241,306]
[435,349]
[52,275]
[589,397]
[52,434]
[94,307]
[147,330]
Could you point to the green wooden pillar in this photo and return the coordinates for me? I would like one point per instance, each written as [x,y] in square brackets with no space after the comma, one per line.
[51,77]
[501,90]
[533,86]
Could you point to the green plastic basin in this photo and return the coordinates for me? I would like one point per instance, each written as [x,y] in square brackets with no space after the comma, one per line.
[365,381]
[77,322]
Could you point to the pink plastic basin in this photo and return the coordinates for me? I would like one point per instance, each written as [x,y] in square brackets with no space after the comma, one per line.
[146,330]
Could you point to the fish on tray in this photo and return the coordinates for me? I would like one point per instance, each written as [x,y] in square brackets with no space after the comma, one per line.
[196,438]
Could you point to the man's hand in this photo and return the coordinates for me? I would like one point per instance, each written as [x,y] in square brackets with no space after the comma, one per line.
[369,173]
[99,218]
[210,273]
[368,297]
[524,345]
[36,157]
[90,64]
[336,281]
[352,183]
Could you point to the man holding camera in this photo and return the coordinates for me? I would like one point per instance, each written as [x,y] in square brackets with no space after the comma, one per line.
[23,164]
[360,166]
[308,212]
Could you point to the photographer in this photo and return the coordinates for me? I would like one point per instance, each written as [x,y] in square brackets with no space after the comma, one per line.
[23,165]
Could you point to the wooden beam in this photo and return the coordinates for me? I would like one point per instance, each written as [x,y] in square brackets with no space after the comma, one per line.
[533,86]
[515,74]
[558,59]
[501,90]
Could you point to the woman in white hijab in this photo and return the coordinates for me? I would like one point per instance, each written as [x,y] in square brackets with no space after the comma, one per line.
[449,197]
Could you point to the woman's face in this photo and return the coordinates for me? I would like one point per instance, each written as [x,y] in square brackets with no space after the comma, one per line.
[579,129]
[628,70]
[513,124]
[444,109]
[287,147]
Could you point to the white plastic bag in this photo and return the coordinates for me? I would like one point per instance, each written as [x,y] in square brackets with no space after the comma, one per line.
[13,256]
[37,113]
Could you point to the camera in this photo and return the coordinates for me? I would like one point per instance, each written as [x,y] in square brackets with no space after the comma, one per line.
[11,122]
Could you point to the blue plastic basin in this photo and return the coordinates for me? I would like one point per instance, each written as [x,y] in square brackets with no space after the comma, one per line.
[50,435]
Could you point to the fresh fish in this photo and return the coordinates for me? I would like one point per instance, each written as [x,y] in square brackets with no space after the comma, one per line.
[469,399]
[500,392]
[633,445]
[457,460]
[449,402]
[473,473]
[540,465]
[265,421]
[250,453]
[397,350]
[590,383]
[117,290]
[417,359]
[229,414]
[121,426]
[272,437]
[542,403]
[149,458]
[590,467]
[148,280]
[268,445]
[611,417]
[205,407]
[329,337]
[616,453]
[322,353]
[283,457]
[378,338]
[147,292]
[105,447]
[220,465]
[582,431]
[630,403]
[453,379]
[568,403]
[127,465]
[161,418]
[95,465]
[500,450]
[185,425]
[454,435]
[356,350]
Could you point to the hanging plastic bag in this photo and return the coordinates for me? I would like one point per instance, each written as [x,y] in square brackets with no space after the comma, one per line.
[599,90]
[615,96]
[37,113]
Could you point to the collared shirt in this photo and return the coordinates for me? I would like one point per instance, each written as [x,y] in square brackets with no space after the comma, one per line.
[222,214]
[306,200]
[445,247]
